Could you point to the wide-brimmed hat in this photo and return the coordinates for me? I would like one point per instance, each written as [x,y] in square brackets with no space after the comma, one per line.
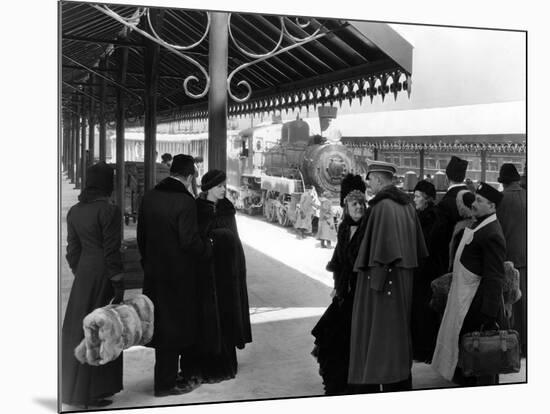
[182,164]
[508,173]
[456,169]
[211,179]
[490,193]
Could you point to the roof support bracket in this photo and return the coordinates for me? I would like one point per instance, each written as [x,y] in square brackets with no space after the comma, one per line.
[274,52]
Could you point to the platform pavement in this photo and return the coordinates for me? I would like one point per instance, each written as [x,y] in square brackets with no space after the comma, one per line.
[288,291]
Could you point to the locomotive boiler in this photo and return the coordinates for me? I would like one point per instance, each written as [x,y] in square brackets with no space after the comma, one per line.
[276,162]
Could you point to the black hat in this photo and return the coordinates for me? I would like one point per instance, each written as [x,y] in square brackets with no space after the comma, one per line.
[464,201]
[425,187]
[100,176]
[381,166]
[183,165]
[508,174]
[211,179]
[489,192]
[456,169]
[349,183]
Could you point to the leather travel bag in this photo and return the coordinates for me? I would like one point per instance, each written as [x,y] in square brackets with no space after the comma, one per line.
[490,352]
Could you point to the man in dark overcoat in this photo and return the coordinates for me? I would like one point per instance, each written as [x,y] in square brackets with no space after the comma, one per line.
[391,249]
[171,246]
[447,213]
[512,216]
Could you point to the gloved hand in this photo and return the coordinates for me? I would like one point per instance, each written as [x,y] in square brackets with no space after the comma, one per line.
[117,282]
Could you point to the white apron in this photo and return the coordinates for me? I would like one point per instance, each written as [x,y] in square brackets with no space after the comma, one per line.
[463,288]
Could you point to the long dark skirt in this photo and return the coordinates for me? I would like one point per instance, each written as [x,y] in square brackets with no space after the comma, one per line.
[82,383]
[210,368]
[332,341]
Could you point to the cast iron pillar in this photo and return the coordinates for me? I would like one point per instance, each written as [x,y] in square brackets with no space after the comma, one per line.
[151,69]
[217,94]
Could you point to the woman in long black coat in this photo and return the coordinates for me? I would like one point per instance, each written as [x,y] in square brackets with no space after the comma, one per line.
[216,219]
[333,331]
[93,254]
[424,320]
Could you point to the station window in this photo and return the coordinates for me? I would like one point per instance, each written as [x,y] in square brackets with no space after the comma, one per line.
[492,165]
[430,163]
[410,162]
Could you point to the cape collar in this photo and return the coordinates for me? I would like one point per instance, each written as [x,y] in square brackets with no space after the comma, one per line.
[391,192]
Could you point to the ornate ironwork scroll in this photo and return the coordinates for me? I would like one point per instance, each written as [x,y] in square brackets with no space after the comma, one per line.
[133,24]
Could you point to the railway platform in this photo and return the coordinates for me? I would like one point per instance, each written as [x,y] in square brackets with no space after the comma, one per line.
[288,291]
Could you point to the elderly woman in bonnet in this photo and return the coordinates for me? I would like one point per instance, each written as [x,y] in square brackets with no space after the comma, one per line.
[93,252]
[424,321]
[216,220]
[332,332]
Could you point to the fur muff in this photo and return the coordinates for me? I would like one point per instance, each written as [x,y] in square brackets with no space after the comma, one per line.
[111,329]
[510,289]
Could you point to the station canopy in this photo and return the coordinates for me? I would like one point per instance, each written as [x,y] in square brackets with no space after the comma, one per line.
[274,62]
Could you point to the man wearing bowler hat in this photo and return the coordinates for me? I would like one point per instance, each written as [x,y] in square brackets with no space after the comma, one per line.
[170,247]
[447,211]
[475,297]
[512,215]
[391,248]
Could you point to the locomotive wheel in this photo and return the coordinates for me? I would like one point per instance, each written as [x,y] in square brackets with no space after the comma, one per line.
[282,216]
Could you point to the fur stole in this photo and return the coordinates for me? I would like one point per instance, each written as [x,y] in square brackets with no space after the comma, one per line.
[111,329]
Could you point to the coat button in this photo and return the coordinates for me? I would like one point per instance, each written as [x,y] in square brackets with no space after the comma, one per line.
[389,293]
[389,270]
[390,282]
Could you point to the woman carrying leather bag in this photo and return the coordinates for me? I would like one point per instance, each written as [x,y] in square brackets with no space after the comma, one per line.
[93,254]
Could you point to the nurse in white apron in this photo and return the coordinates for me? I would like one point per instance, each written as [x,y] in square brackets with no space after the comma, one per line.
[463,289]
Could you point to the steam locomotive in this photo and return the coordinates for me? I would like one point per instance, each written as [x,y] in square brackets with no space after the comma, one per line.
[269,167]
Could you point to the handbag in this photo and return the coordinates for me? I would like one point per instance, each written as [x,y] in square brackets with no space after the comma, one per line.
[489,352]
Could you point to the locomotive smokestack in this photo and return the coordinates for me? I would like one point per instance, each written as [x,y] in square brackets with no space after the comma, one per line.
[326,115]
